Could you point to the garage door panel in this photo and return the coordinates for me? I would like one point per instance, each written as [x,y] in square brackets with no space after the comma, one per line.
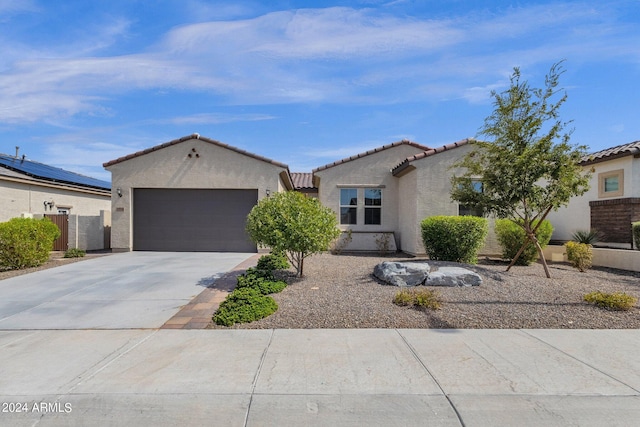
[192,219]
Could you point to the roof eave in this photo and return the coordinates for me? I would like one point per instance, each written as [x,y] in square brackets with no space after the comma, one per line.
[188,138]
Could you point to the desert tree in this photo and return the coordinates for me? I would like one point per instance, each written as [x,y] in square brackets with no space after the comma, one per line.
[524,159]
[292,224]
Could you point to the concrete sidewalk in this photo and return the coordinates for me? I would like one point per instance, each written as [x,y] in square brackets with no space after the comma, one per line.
[367,377]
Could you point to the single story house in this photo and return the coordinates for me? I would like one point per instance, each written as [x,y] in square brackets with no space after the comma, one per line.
[194,193]
[189,194]
[79,205]
[612,202]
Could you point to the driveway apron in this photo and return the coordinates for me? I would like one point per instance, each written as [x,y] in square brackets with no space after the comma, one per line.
[121,291]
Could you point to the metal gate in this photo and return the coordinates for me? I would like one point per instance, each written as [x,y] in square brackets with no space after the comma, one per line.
[62,221]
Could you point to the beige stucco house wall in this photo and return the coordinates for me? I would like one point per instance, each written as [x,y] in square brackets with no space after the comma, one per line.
[369,170]
[425,185]
[622,161]
[577,214]
[191,162]
[24,196]
[88,209]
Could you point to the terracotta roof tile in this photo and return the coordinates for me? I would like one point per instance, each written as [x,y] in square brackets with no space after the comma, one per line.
[430,152]
[612,153]
[375,150]
[302,180]
[187,138]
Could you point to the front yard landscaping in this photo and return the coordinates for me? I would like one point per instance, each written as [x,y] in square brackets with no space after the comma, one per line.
[339,291]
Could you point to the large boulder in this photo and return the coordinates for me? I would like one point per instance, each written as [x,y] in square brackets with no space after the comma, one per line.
[421,273]
[402,273]
[453,276]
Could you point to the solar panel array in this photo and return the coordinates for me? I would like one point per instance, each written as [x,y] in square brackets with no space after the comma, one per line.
[50,173]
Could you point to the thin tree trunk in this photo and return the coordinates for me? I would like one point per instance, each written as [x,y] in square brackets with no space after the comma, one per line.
[301,265]
[515,258]
[535,242]
[544,261]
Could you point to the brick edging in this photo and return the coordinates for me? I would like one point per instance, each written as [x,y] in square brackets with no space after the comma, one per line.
[198,312]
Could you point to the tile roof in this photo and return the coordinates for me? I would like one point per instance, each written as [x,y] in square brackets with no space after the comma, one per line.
[375,150]
[430,152]
[187,138]
[302,180]
[40,171]
[612,153]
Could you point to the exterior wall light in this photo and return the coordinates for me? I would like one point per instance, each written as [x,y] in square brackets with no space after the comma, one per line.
[268,192]
[119,192]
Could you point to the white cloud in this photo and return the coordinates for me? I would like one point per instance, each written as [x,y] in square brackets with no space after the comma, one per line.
[12,6]
[337,54]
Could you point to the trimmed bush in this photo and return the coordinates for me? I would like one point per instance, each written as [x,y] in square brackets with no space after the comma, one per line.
[635,229]
[511,237]
[244,305]
[26,242]
[580,255]
[261,284]
[425,298]
[616,302]
[454,238]
[74,253]
[273,261]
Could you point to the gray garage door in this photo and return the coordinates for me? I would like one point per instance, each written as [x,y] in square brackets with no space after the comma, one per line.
[195,220]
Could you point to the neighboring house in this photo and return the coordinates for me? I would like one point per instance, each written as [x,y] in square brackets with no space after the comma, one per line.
[613,201]
[189,194]
[194,193]
[80,205]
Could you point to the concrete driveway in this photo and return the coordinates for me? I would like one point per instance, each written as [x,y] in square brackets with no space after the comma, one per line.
[119,291]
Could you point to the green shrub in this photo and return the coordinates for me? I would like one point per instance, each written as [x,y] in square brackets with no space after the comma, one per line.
[589,237]
[511,237]
[617,301]
[244,305]
[579,254]
[273,261]
[74,253]
[454,238]
[265,274]
[26,242]
[635,229]
[425,298]
[261,284]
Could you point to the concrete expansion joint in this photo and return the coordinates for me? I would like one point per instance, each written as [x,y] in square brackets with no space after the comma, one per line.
[254,383]
[419,360]
[595,368]
[109,359]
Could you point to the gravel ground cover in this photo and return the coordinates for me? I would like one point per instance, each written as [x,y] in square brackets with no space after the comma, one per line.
[56,259]
[339,291]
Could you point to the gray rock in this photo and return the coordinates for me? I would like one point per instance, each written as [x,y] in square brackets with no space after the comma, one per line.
[402,273]
[453,276]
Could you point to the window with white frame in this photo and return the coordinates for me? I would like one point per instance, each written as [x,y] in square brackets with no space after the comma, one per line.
[373,206]
[348,206]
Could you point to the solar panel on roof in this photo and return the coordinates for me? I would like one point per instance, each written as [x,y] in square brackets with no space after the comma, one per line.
[50,173]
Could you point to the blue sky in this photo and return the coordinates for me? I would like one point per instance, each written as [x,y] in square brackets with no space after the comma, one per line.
[302,82]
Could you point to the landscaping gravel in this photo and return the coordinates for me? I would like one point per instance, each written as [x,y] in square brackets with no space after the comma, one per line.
[56,259]
[339,291]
